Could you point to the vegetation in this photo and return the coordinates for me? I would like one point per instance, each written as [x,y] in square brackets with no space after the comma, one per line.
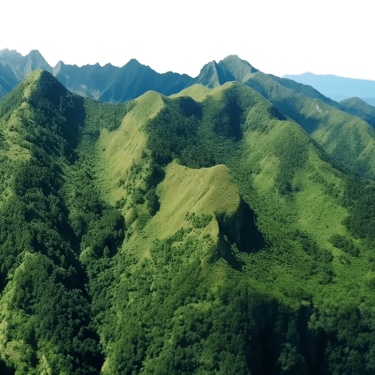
[197,234]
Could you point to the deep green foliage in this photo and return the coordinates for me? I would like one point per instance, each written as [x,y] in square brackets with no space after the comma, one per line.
[344,244]
[199,135]
[37,231]
[361,199]
[10,102]
[179,122]
[104,116]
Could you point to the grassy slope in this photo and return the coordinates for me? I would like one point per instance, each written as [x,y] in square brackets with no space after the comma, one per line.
[123,147]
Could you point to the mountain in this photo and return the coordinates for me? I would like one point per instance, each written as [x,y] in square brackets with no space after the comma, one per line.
[113,84]
[232,68]
[7,80]
[348,139]
[338,88]
[23,65]
[205,232]
[107,83]
[360,108]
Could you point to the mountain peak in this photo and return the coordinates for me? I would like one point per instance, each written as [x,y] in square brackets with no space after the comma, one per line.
[240,69]
[209,75]
[133,63]
[232,68]
[235,58]
[35,54]
[44,84]
[9,53]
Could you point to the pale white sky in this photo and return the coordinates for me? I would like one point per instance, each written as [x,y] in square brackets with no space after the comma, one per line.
[275,36]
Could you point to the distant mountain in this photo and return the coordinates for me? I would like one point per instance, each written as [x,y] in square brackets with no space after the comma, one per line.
[113,84]
[118,84]
[20,65]
[107,83]
[338,88]
[8,80]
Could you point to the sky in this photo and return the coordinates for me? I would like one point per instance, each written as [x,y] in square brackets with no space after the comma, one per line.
[275,36]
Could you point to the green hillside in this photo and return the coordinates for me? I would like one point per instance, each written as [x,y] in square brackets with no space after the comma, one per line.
[348,139]
[196,234]
[360,108]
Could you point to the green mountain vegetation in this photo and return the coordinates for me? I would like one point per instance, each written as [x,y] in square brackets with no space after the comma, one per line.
[359,108]
[347,138]
[206,232]
[340,129]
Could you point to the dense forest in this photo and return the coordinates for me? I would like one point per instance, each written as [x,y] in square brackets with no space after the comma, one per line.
[207,232]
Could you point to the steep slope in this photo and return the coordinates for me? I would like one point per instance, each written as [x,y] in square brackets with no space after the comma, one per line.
[7,79]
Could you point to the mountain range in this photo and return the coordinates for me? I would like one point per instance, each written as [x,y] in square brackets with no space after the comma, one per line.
[221,225]
[338,88]
[118,84]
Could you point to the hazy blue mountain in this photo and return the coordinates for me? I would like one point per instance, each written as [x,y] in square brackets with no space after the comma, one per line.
[113,84]
[338,88]
[14,68]
[8,80]
[117,84]
[108,83]
[23,65]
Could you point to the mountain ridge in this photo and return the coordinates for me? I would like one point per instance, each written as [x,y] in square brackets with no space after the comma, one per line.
[230,68]
[300,102]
